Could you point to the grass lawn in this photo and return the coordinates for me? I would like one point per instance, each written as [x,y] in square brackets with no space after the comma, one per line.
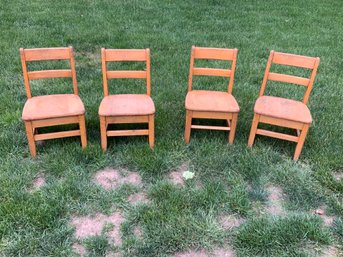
[250,202]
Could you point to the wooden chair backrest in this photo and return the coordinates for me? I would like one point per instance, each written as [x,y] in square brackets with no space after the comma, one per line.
[212,54]
[125,55]
[306,62]
[47,54]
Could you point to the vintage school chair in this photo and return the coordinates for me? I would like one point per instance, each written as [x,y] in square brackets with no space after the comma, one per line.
[126,108]
[205,104]
[281,111]
[51,110]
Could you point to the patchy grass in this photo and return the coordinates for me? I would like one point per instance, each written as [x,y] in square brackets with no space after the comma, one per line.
[230,180]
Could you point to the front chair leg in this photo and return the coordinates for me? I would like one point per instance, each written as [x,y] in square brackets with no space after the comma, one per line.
[301,141]
[30,138]
[233,128]
[151,131]
[253,129]
[188,126]
[82,123]
[103,134]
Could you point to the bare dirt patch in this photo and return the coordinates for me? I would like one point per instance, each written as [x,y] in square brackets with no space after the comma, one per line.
[94,225]
[137,231]
[79,249]
[230,221]
[112,254]
[38,183]
[176,176]
[137,198]
[200,253]
[338,175]
[331,251]
[223,252]
[110,178]
[328,220]
[275,200]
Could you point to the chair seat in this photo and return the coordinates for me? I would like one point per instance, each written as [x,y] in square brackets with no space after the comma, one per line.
[126,105]
[214,101]
[282,108]
[52,106]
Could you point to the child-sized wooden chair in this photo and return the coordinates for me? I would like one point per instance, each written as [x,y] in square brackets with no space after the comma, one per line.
[51,110]
[126,108]
[282,111]
[206,104]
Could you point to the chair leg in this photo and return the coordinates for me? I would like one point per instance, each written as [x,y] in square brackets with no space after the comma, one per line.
[30,138]
[233,128]
[151,131]
[103,128]
[82,123]
[253,129]
[188,126]
[301,141]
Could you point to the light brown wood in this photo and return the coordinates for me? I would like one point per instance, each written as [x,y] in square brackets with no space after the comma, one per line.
[126,108]
[205,104]
[51,110]
[30,138]
[281,111]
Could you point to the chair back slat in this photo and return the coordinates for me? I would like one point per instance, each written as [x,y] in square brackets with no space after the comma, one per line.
[212,54]
[48,54]
[291,60]
[211,72]
[125,55]
[43,74]
[126,74]
[294,60]
[288,79]
[122,55]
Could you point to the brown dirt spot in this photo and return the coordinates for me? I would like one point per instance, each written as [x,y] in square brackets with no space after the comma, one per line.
[230,221]
[110,178]
[223,252]
[338,175]
[201,253]
[275,200]
[79,249]
[176,175]
[93,226]
[137,231]
[38,183]
[112,254]
[331,251]
[328,220]
[138,198]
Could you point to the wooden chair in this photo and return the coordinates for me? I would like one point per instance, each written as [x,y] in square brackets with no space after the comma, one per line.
[205,104]
[126,108]
[51,110]
[281,111]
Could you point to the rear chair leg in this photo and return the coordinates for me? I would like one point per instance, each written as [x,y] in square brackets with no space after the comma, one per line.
[82,123]
[253,129]
[301,141]
[188,126]
[151,131]
[103,128]
[30,138]
[233,128]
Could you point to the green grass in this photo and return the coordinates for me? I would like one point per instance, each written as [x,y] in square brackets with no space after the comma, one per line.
[233,178]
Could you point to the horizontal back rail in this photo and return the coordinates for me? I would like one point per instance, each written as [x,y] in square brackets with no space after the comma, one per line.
[288,79]
[43,74]
[120,55]
[126,74]
[212,72]
[294,60]
[213,53]
[45,54]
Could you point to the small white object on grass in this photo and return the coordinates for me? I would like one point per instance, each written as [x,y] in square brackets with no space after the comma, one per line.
[188,174]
